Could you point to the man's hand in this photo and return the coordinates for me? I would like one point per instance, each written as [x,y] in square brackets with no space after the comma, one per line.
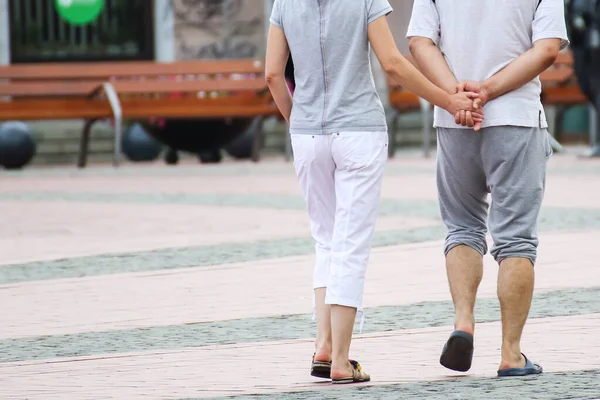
[468,118]
[462,101]
[516,74]
[433,65]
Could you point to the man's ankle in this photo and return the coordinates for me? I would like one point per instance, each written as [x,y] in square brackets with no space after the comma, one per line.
[512,358]
[465,324]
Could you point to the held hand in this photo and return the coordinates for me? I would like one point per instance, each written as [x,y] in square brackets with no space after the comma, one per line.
[472,119]
[463,101]
[466,118]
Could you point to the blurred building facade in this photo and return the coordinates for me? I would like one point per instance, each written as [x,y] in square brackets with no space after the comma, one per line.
[31,31]
[162,30]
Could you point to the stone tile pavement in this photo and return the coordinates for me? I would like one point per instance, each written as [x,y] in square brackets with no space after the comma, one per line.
[194,282]
[391,357]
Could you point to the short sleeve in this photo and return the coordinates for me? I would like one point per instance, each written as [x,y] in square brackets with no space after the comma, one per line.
[424,21]
[377,9]
[276,15]
[549,22]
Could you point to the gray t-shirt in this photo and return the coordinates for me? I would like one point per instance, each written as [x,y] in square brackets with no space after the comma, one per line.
[478,40]
[335,90]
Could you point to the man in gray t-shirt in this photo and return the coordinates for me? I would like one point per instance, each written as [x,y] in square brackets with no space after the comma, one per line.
[497,49]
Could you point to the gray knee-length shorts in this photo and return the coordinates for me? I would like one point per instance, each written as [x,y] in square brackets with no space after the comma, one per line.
[507,162]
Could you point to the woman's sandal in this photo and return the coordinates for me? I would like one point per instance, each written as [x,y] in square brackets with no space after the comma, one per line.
[357,375]
[320,369]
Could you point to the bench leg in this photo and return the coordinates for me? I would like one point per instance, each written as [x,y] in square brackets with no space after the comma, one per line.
[288,144]
[594,130]
[258,139]
[118,139]
[555,144]
[84,144]
[425,113]
[593,117]
[392,134]
[558,124]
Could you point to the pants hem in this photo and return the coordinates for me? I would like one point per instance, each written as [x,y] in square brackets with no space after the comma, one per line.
[500,258]
[451,245]
[342,301]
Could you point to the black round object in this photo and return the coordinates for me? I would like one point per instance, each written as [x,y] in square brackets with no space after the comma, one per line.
[171,156]
[197,135]
[138,145]
[17,145]
[210,156]
[241,148]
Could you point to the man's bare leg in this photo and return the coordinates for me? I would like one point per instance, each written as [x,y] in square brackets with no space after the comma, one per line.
[464,267]
[515,291]
[323,342]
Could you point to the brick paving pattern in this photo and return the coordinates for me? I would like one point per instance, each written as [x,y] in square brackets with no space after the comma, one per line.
[194,282]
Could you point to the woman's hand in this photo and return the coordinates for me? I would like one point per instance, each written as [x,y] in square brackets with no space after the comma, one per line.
[463,101]
[468,118]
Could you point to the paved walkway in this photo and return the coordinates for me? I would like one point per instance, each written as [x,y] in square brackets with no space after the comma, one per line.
[194,282]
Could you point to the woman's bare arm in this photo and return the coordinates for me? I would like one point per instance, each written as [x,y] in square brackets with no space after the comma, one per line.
[404,73]
[278,53]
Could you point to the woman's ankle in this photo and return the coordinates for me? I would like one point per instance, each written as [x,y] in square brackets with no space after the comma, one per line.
[323,352]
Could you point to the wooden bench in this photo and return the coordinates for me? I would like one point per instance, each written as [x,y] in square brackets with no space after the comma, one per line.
[561,89]
[403,101]
[135,90]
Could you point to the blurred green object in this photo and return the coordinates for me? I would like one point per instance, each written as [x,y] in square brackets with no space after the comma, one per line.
[576,120]
[79,12]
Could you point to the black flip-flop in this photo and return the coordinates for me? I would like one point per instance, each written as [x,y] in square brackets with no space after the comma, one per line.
[531,368]
[320,369]
[458,352]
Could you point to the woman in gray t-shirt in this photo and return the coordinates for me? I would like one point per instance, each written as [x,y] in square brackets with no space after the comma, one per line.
[339,137]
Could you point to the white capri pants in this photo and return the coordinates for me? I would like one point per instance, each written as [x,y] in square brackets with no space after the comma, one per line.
[340,176]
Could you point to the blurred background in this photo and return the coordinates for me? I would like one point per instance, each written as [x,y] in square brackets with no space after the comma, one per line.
[43,32]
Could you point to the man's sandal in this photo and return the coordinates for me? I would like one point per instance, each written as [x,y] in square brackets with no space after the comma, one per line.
[530,368]
[357,375]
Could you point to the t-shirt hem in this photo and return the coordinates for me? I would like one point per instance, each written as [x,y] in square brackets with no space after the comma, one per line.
[433,35]
[336,129]
[277,24]
[385,12]
[564,41]
[496,122]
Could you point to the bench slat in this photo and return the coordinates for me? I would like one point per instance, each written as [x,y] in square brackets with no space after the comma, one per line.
[54,109]
[236,106]
[189,110]
[103,71]
[208,85]
[65,88]
[566,95]
[403,100]
[54,89]
[556,76]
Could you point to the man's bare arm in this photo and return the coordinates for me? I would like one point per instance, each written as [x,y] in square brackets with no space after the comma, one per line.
[523,69]
[432,63]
